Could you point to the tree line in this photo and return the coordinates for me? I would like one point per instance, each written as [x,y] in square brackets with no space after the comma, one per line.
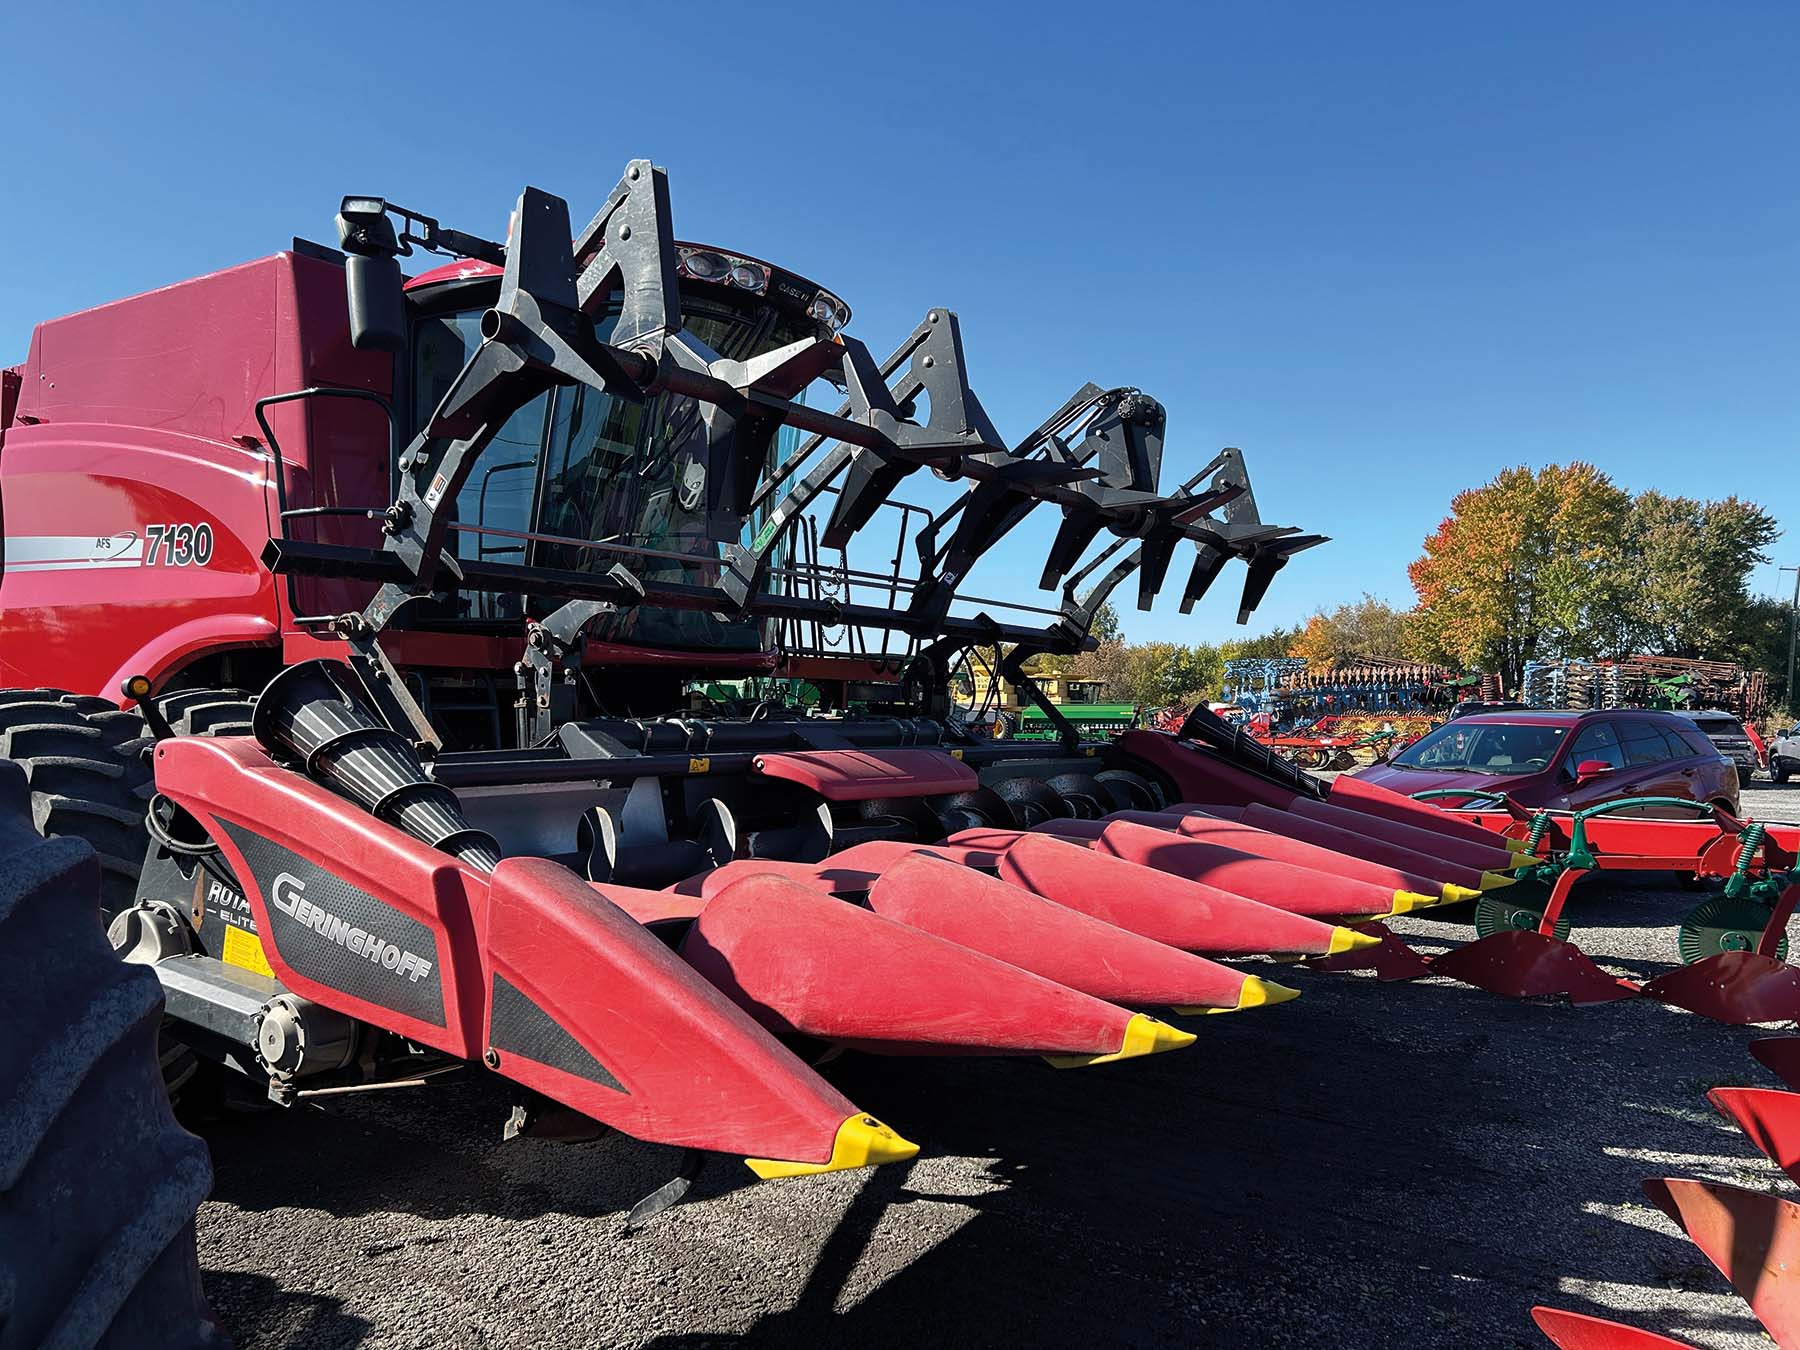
[1558,563]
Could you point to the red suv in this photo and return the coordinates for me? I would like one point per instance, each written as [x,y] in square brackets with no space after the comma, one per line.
[1565,761]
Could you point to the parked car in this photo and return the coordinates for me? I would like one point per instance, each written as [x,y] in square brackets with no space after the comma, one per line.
[1732,738]
[1470,706]
[1784,755]
[1565,761]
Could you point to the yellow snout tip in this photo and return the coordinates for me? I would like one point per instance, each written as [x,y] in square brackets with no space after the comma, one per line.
[862,1141]
[1493,881]
[1454,894]
[1254,993]
[1405,902]
[1349,940]
[1144,1035]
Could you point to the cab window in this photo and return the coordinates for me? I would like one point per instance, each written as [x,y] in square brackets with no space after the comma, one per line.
[502,486]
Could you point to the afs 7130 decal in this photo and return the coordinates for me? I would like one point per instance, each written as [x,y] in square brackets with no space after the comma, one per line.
[177,544]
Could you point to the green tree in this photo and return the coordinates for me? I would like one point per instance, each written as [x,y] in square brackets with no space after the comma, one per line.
[1688,568]
[1275,642]
[1106,627]
[1524,567]
[1369,627]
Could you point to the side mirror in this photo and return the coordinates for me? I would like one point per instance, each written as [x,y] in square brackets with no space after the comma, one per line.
[374,289]
[373,284]
[1591,768]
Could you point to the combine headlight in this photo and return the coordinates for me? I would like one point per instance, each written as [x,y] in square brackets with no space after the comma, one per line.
[704,265]
[833,316]
[751,276]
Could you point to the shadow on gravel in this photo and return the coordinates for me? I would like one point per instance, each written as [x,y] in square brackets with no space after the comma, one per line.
[433,1152]
[1314,1177]
[1403,1165]
[258,1312]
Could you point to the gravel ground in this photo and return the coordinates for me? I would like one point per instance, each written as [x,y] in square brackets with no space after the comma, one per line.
[1371,1165]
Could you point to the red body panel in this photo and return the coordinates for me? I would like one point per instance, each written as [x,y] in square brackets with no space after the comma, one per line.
[231,782]
[1578,1331]
[1346,839]
[139,415]
[1769,1118]
[799,961]
[1780,1055]
[1356,794]
[1278,845]
[1739,988]
[864,775]
[1524,963]
[1013,925]
[1198,774]
[1644,843]
[1182,914]
[1301,890]
[693,1068]
[1201,777]
[1487,855]
[685,1065]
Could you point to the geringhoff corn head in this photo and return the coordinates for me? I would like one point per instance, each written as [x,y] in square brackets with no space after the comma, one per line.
[397,600]
[356,640]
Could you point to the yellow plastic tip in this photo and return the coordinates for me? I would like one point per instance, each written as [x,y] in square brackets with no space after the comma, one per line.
[1255,993]
[1517,845]
[1454,894]
[1407,901]
[1493,881]
[1144,1035]
[862,1141]
[1349,940]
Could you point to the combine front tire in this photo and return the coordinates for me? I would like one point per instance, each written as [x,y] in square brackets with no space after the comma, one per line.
[98,1185]
[90,779]
[87,781]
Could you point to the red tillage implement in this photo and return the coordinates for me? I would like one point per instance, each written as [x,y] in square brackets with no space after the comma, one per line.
[1733,945]
[1752,1237]
[1311,855]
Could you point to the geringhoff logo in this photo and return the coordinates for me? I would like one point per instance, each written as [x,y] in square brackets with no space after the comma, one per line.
[288,894]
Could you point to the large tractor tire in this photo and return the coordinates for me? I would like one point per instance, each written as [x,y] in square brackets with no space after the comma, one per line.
[90,778]
[88,781]
[87,768]
[98,1184]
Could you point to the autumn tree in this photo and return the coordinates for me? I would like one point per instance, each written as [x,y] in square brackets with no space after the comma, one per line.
[1525,567]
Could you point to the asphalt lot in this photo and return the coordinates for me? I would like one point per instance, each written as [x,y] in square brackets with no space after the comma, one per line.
[1370,1165]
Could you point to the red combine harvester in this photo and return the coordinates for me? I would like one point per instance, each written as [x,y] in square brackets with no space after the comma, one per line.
[348,618]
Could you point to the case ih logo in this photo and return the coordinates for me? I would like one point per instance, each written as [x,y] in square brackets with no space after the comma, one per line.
[288,894]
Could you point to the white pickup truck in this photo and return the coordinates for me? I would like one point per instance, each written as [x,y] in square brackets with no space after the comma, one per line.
[1784,755]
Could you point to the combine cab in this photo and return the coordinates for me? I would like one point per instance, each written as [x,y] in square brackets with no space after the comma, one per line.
[350,618]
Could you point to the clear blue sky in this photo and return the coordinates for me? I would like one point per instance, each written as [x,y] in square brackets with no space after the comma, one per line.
[1388,249]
